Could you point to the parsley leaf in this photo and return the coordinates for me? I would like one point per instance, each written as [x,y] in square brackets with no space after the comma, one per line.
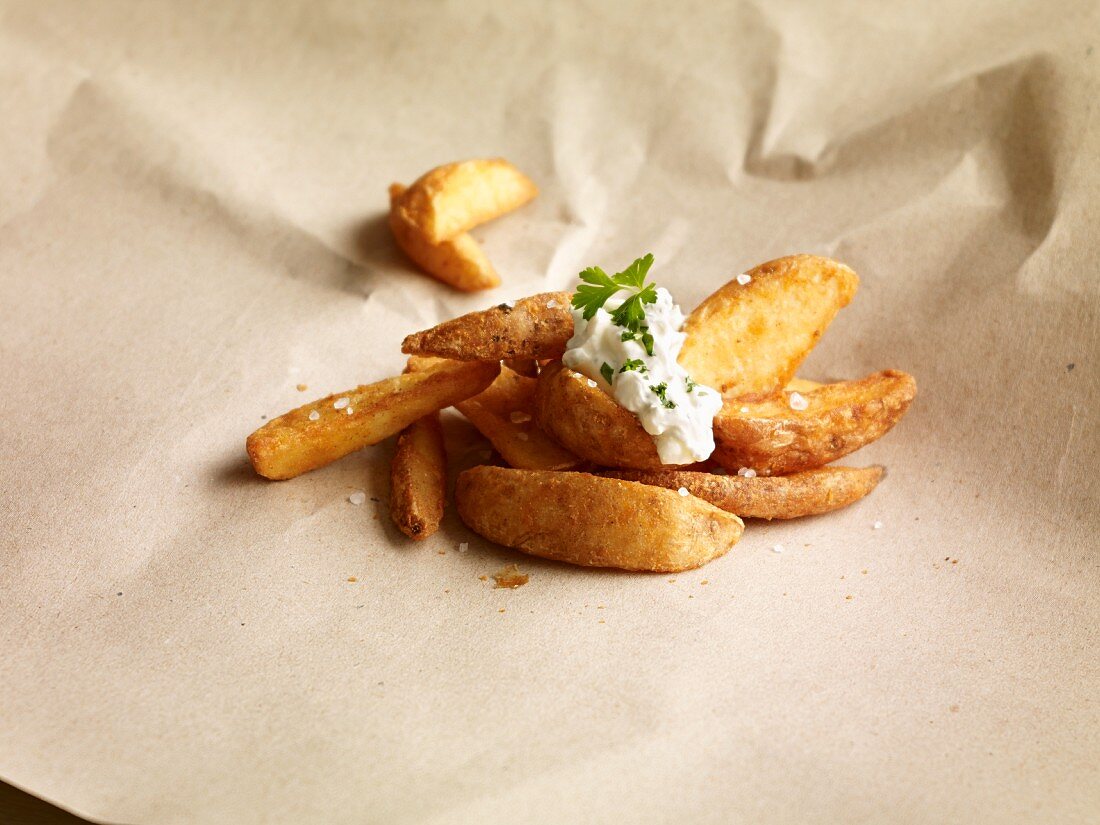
[642,336]
[690,384]
[597,286]
[661,390]
[634,365]
[607,371]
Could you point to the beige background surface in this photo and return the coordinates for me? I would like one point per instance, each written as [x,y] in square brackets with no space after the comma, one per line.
[190,225]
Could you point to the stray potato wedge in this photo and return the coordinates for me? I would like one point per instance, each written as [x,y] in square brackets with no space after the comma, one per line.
[750,338]
[594,521]
[504,414]
[318,433]
[453,198]
[458,262]
[418,478]
[802,494]
[772,438]
[590,423]
[536,327]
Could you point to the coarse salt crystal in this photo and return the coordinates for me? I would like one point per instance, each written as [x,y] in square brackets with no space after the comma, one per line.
[519,417]
[463,546]
[683,491]
[313,416]
[349,410]
[592,383]
[747,472]
[778,548]
[357,498]
[340,403]
[744,409]
[877,525]
[744,278]
[551,304]
[798,401]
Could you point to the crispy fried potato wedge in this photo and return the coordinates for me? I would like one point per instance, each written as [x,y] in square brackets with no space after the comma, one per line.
[293,444]
[590,423]
[504,413]
[594,521]
[459,262]
[802,494]
[773,439]
[418,478]
[750,338]
[528,367]
[536,327]
[453,198]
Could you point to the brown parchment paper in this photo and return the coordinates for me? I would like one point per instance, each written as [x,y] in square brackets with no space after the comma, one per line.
[191,200]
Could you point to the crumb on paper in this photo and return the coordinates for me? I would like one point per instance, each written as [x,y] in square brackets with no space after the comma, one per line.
[863,572]
[302,387]
[954,561]
[501,610]
[441,552]
[483,578]
[510,577]
[848,598]
[357,498]
[954,708]
[352,579]
[705,581]
[671,581]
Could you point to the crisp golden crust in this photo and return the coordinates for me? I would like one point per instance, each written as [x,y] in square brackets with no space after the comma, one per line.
[458,262]
[773,439]
[590,423]
[536,327]
[802,494]
[418,478]
[593,521]
[451,199]
[293,444]
[750,338]
[504,414]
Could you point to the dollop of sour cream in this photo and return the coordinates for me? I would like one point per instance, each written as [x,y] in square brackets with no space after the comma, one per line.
[676,411]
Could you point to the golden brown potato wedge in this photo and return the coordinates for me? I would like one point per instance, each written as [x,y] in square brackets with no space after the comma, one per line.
[459,262]
[418,478]
[750,338]
[536,327]
[594,521]
[504,413]
[773,439]
[296,443]
[802,494]
[590,423]
[453,198]
[528,367]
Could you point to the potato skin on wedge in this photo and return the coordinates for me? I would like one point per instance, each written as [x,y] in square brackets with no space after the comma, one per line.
[294,443]
[590,423]
[771,497]
[750,338]
[536,327]
[774,439]
[418,478]
[594,521]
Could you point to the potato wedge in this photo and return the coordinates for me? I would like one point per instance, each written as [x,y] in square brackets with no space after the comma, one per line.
[504,413]
[773,439]
[418,478]
[590,423]
[294,443]
[802,494]
[802,385]
[459,262]
[535,327]
[594,521]
[453,198]
[751,338]
[528,367]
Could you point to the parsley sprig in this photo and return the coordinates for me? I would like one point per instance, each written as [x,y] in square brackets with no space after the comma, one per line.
[598,286]
[661,390]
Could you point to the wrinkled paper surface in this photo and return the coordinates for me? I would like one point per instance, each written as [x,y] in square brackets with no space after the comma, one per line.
[191,224]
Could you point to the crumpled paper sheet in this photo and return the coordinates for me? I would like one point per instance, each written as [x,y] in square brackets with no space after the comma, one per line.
[191,225]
